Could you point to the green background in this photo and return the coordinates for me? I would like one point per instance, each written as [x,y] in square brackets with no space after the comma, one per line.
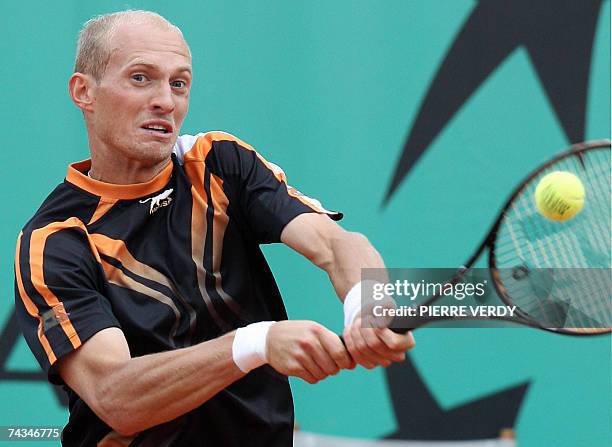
[328,90]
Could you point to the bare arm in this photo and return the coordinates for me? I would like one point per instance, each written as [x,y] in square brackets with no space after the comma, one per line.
[342,255]
[133,394]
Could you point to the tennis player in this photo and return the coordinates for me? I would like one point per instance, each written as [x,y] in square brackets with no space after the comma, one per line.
[140,285]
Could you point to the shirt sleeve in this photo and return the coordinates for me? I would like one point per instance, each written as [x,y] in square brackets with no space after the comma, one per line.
[260,187]
[58,299]
[257,190]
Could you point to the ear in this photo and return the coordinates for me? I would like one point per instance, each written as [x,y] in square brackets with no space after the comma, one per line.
[81,90]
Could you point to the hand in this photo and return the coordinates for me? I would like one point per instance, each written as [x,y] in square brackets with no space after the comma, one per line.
[307,350]
[371,347]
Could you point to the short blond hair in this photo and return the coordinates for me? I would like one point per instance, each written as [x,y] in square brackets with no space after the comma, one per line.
[94,44]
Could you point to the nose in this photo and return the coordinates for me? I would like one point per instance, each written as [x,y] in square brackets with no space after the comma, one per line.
[163,99]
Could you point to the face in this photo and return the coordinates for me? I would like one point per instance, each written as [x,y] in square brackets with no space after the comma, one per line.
[139,105]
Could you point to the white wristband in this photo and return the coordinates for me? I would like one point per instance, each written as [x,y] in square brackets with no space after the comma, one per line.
[249,346]
[355,302]
[352,304]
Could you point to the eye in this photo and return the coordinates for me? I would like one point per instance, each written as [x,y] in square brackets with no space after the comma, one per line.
[139,77]
[178,84]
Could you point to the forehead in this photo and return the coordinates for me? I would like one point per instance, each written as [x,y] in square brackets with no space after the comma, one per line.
[153,43]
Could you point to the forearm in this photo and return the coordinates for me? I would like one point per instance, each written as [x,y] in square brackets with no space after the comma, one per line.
[157,388]
[342,254]
[349,253]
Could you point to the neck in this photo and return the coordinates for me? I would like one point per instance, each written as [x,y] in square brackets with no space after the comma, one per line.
[127,174]
[120,167]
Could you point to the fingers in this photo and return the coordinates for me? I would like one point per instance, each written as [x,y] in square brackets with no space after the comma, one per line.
[327,354]
[359,349]
[295,368]
[307,350]
[314,358]
[336,350]
[397,342]
[371,347]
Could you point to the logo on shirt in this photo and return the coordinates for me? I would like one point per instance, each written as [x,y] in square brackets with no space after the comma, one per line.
[159,201]
[53,317]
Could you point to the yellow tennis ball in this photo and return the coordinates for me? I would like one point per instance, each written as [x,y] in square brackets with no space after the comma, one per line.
[559,195]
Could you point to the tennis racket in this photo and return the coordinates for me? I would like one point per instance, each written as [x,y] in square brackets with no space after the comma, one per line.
[556,273]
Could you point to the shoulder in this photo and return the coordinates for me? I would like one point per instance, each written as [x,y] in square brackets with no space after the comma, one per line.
[66,203]
[58,227]
[57,242]
[57,214]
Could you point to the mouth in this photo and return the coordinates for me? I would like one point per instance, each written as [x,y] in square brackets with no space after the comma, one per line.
[158,127]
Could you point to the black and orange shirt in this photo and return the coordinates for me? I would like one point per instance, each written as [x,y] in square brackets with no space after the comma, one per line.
[171,262]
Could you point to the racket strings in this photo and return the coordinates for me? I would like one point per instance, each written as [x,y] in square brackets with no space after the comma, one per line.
[567,264]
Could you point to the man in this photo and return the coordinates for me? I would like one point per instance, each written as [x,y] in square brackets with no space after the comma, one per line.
[140,285]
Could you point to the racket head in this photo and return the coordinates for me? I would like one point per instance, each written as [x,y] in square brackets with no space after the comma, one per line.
[522,240]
